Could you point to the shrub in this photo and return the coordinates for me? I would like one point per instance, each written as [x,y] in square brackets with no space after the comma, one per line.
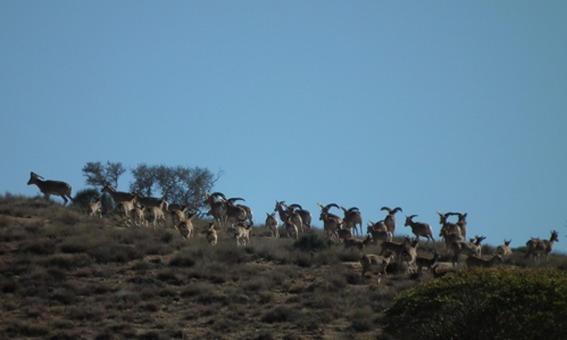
[84,197]
[311,242]
[479,304]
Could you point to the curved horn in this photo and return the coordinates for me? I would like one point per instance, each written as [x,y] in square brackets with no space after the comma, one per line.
[330,205]
[396,209]
[386,208]
[218,194]
[411,216]
[353,209]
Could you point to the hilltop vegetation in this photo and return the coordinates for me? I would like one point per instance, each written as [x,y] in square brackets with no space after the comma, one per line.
[64,275]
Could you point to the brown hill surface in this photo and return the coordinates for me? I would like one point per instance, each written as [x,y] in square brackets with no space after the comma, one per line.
[64,275]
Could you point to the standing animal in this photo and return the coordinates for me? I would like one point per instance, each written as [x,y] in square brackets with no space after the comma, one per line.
[331,222]
[50,187]
[242,234]
[212,236]
[461,222]
[390,219]
[352,218]
[272,223]
[379,232]
[117,196]
[538,247]
[291,229]
[424,262]
[294,212]
[185,228]
[217,207]
[304,214]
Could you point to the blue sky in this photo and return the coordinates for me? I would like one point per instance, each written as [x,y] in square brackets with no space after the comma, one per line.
[427,105]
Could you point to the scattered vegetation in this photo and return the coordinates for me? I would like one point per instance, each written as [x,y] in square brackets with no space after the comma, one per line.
[66,275]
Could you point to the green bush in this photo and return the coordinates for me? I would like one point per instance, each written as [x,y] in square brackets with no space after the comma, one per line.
[483,304]
[84,197]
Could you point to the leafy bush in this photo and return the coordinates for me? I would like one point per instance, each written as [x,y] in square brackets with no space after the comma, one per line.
[482,304]
[84,197]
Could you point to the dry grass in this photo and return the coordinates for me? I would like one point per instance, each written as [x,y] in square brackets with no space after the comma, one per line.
[64,275]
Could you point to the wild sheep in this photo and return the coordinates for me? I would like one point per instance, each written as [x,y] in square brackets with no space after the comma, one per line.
[350,243]
[379,232]
[49,187]
[331,222]
[149,202]
[344,233]
[217,207]
[371,260]
[185,228]
[137,215]
[291,229]
[390,219]
[424,262]
[272,223]
[469,248]
[95,208]
[212,236]
[476,261]
[409,254]
[178,214]
[238,212]
[394,247]
[125,208]
[155,214]
[419,229]
[504,249]
[450,232]
[537,247]
[304,214]
[461,222]
[290,213]
[117,196]
[242,234]
[352,218]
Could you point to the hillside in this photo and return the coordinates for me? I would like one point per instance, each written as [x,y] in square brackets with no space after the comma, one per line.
[64,275]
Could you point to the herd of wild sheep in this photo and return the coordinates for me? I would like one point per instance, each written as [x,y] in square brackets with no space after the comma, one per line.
[228,215]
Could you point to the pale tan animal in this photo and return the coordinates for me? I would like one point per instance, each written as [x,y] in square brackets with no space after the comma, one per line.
[185,229]
[504,249]
[242,234]
[95,208]
[212,236]
[371,260]
[272,223]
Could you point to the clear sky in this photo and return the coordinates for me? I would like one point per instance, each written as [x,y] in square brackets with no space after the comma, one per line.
[427,105]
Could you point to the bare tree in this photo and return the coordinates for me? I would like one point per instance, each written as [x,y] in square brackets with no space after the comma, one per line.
[182,185]
[98,175]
